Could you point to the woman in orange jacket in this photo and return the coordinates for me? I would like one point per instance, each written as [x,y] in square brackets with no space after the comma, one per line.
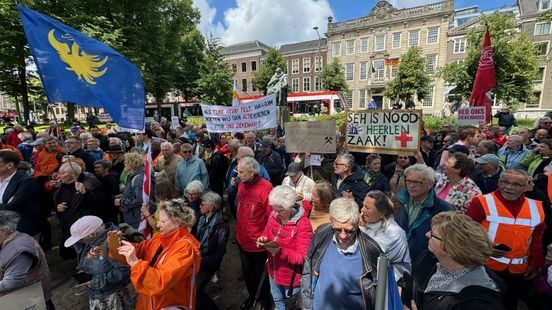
[163,269]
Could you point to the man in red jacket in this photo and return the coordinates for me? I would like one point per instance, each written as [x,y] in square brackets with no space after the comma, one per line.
[253,211]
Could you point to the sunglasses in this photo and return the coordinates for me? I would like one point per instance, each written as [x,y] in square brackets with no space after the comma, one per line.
[345,230]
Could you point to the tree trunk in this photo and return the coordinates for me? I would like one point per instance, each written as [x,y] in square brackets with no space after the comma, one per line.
[22,72]
[70,111]
[17,110]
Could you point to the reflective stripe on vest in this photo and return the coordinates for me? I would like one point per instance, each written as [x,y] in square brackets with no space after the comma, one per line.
[494,219]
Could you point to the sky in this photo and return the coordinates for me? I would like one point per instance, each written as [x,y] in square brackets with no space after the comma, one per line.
[277,22]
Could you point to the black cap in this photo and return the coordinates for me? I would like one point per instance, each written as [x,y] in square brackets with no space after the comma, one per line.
[115,149]
[428,138]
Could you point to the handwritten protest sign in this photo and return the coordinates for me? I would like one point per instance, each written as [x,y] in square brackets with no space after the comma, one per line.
[175,123]
[382,131]
[471,116]
[313,160]
[254,115]
[313,137]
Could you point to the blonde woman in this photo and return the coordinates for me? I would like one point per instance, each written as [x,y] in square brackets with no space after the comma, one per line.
[130,201]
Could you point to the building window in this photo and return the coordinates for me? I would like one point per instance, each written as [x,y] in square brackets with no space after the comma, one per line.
[295,85]
[363,70]
[362,99]
[350,47]
[541,48]
[306,84]
[349,71]
[306,65]
[396,40]
[432,35]
[536,102]
[364,45]
[431,63]
[542,28]
[234,68]
[378,68]
[244,85]
[318,62]
[336,49]
[379,42]
[253,65]
[544,5]
[459,45]
[349,99]
[428,101]
[294,66]
[317,83]
[253,88]
[244,67]
[540,74]
[413,37]
[57,111]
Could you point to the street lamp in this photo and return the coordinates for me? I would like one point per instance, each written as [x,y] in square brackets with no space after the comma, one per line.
[318,58]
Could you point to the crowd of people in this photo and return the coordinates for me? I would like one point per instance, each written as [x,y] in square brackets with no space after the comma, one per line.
[465,221]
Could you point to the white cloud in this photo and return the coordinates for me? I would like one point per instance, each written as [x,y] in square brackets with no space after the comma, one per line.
[410,3]
[271,22]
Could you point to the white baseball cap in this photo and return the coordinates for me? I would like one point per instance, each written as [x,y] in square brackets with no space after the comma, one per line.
[82,228]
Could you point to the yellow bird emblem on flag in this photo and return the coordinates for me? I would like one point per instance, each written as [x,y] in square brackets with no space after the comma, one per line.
[85,66]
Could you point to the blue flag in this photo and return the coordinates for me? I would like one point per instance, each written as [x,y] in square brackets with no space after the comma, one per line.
[76,68]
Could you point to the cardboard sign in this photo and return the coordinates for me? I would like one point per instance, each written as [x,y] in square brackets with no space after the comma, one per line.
[313,160]
[471,116]
[28,297]
[254,115]
[313,137]
[384,131]
[174,122]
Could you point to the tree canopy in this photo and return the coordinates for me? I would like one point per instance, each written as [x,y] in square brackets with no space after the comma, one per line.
[273,60]
[215,84]
[412,78]
[515,60]
[332,77]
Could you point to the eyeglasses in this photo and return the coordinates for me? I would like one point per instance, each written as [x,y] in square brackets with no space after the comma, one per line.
[415,183]
[403,157]
[512,184]
[345,230]
[338,164]
[546,123]
[431,235]
[187,152]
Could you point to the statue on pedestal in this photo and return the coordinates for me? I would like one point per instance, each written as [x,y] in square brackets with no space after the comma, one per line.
[278,84]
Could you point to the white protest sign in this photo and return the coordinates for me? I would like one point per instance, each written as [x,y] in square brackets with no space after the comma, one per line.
[313,160]
[313,137]
[471,116]
[174,122]
[105,117]
[384,131]
[28,297]
[254,115]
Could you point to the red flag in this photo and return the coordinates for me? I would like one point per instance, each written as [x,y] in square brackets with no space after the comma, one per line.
[485,79]
[144,226]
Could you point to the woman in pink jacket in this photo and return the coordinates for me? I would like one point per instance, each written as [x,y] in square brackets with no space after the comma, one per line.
[286,237]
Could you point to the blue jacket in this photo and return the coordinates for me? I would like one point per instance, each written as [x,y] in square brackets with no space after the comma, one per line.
[417,240]
[354,184]
[513,159]
[131,198]
[109,276]
[190,170]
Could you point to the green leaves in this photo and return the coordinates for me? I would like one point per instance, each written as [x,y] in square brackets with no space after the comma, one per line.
[214,85]
[412,80]
[333,77]
[273,60]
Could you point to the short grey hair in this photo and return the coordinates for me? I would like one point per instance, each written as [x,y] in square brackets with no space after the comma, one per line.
[516,138]
[349,160]
[344,209]
[195,187]
[521,172]
[282,196]
[72,166]
[178,211]
[86,135]
[428,172]
[167,144]
[186,146]
[250,164]
[212,199]
[246,151]
[8,221]
[235,144]
[117,141]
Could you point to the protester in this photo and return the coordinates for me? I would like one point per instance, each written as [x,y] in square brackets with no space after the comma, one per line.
[212,233]
[539,160]
[252,215]
[505,118]
[190,168]
[373,175]
[107,288]
[271,160]
[318,208]
[192,195]
[453,276]
[74,147]
[454,185]
[348,180]
[216,164]
[513,152]
[110,184]
[395,173]
[486,147]
[22,261]
[515,227]
[340,269]
[130,201]
[418,204]
[376,220]
[296,179]
[487,172]
[427,144]
[168,161]
[286,237]
[163,268]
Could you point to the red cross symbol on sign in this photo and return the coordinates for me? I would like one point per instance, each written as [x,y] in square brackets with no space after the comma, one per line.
[403,138]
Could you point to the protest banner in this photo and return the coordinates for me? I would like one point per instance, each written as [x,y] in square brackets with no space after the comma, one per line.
[254,115]
[384,131]
[471,116]
[313,137]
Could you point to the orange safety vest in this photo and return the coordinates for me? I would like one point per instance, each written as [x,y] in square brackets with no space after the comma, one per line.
[515,232]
